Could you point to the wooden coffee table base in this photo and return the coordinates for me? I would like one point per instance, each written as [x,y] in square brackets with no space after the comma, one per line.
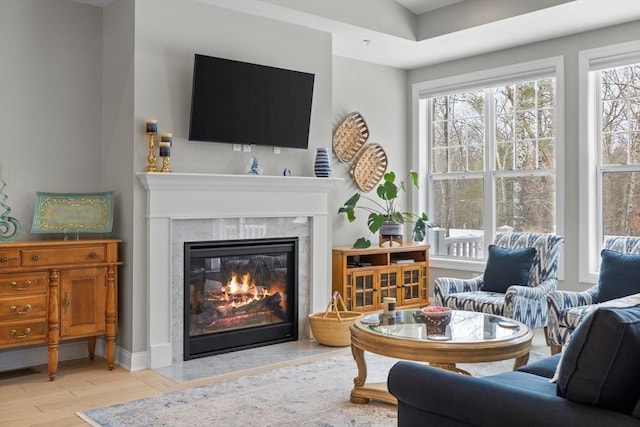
[362,392]
[433,353]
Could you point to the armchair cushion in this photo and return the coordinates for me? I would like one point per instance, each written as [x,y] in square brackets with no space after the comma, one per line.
[506,267]
[619,275]
[600,364]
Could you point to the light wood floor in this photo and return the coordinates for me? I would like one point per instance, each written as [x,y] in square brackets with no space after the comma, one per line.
[33,400]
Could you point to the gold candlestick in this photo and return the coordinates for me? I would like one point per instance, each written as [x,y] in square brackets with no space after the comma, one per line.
[151,157]
[166,167]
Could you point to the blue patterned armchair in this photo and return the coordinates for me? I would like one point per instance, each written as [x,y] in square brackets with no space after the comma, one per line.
[526,304]
[566,309]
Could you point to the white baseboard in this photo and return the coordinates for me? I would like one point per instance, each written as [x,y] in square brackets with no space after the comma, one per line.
[134,361]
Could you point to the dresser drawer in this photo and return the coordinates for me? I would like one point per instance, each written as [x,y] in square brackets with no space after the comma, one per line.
[24,332]
[47,257]
[9,258]
[23,283]
[23,307]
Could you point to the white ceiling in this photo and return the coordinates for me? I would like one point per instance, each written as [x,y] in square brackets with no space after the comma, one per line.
[377,46]
[418,7]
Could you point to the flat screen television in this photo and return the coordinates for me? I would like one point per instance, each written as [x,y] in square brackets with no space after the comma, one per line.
[242,103]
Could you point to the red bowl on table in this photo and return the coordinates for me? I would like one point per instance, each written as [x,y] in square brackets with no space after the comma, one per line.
[436,317]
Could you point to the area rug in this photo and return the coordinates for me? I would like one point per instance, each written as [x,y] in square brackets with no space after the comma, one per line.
[310,394]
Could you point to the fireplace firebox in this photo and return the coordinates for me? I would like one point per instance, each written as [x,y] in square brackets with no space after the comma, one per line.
[239,294]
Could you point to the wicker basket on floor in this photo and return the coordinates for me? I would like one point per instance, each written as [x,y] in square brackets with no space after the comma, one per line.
[331,328]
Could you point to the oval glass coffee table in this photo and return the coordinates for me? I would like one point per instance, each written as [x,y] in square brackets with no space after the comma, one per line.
[470,337]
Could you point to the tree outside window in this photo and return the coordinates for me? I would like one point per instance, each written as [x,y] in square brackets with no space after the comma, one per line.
[619,150]
[494,144]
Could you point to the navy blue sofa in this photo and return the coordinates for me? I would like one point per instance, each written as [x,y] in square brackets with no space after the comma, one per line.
[598,384]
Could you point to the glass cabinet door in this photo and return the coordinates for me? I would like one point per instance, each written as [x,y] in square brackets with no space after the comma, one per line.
[412,285]
[388,281]
[364,291]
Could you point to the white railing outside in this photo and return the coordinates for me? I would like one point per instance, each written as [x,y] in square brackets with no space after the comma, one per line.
[460,243]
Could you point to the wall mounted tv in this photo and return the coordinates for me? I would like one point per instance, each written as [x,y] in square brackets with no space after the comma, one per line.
[243,103]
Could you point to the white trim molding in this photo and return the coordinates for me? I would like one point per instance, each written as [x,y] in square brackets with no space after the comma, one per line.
[590,226]
[179,196]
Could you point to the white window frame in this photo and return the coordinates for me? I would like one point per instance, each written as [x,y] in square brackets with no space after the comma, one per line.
[590,218]
[532,70]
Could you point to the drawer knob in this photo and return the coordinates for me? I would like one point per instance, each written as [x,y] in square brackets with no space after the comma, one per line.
[93,255]
[17,287]
[15,335]
[35,257]
[4,259]
[14,309]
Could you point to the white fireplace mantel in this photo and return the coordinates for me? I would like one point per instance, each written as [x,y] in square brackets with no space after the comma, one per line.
[178,196]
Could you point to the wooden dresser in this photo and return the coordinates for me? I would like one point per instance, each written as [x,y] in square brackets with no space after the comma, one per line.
[59,290]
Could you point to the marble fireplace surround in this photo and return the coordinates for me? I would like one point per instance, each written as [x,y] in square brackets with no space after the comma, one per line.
[196,207]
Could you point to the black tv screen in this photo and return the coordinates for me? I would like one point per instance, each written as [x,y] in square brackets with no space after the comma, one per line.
[242,103]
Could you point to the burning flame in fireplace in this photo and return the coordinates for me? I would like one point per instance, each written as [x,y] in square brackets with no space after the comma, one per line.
[242,290]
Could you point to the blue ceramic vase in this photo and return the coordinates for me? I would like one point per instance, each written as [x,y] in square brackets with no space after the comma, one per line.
[322,165]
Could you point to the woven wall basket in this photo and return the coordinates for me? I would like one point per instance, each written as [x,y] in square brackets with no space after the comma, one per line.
[350,136]
[369,167]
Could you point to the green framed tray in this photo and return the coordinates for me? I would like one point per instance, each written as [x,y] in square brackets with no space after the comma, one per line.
[73,213]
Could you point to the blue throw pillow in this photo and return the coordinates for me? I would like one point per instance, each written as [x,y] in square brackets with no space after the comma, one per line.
[599,366]
[506,267]
[619,275]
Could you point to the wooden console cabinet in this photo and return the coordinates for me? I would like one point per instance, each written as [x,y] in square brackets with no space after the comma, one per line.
[59,290]
[365,276]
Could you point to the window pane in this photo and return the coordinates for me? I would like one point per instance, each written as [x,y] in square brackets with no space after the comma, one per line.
[620,145]
[457,159]
[526,203]
[439,134]
[546,154]
[458,203]
[476,157]
[522,120]
[615,148]
[504,156]
[525,114]
[459,125]
[458,211]
[440,108]
[620,115]
[504,127]
[546,93]
[439,156]
[546,125]
[621,203]
[526,125]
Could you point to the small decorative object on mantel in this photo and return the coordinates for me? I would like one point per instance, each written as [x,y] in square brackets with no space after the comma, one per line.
[350,136]
[286,172]
[73,213]
[369,167]
[165,150]
[151,127]
[322,165]
[9,226]
[253,168]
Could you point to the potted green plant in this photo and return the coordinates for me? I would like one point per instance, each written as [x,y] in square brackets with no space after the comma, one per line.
[385,210]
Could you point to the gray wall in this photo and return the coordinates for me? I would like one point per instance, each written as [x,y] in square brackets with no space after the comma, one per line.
[50,101]
[379,94]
